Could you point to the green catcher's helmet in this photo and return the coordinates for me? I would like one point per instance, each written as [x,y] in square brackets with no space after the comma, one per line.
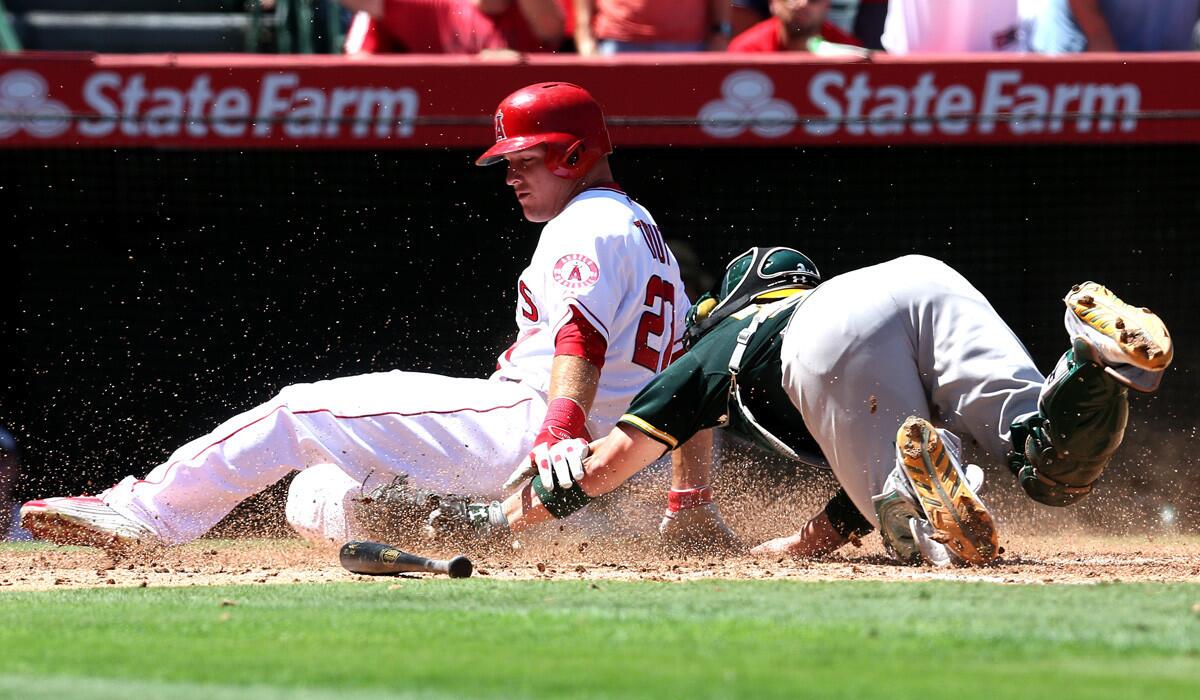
[759,273]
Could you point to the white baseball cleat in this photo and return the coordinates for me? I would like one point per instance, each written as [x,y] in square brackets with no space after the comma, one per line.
[1131,342]
[83,520]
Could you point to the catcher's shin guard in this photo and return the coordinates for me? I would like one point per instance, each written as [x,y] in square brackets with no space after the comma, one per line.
[958,518]
[1060,451]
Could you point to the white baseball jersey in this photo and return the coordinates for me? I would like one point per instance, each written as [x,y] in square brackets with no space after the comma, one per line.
[604,258]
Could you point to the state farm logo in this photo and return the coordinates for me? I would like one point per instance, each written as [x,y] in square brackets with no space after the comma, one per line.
[130,105]
[853,103]
[25,105]
[148,105]
[747,102]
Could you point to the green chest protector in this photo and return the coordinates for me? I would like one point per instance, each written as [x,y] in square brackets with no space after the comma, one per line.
[746,422]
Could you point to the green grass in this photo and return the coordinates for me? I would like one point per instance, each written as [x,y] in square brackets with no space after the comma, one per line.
[482,638]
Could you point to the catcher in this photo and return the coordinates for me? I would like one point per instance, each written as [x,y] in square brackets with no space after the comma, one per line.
[871,374]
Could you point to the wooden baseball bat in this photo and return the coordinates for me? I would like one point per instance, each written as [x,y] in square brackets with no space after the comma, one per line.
[378,559]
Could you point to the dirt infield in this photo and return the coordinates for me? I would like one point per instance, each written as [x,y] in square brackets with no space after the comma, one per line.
[615,538]
[1030,560]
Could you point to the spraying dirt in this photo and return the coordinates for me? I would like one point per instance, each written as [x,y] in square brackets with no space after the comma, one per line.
[615,539]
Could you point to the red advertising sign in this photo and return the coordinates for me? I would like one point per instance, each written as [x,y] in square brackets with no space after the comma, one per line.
[234,101]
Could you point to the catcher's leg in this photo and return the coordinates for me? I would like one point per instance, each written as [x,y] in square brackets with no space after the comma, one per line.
[905,338]
[1131,342]
[852,367]
[1060,451]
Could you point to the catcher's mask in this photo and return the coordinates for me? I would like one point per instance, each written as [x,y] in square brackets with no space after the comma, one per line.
[759,274]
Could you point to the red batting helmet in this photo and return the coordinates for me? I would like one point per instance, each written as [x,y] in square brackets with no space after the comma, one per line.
[563,116]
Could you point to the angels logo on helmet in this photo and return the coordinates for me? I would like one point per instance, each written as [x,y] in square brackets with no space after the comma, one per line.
[500,135]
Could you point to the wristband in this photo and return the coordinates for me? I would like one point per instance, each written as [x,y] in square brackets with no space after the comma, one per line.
[682,499]
[558,502]
[564,420]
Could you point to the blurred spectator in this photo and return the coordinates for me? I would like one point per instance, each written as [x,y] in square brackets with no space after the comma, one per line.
[454,26]
[746,13]
[608,27]
[792,24]
[862,18]
[568,11]
[1067,26]
[842,13]
[940,26]
[10,469]
[868,23]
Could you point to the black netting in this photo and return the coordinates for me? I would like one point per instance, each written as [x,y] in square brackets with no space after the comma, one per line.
[159,291]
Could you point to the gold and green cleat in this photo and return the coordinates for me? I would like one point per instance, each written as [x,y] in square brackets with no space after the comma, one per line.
[1132,342]
[960,520]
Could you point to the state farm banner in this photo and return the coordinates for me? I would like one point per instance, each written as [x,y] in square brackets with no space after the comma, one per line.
[236,101]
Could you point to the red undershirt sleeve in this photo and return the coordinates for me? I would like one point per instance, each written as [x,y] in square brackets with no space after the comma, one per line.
[580,338]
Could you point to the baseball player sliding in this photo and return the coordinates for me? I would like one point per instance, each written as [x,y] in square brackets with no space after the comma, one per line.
[600,310]
[869,373]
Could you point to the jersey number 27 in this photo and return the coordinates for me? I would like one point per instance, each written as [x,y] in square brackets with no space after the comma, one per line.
[661,294]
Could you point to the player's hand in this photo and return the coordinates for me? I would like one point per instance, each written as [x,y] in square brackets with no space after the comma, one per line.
[564,464]
[456,519]
[797,546]
[559,465]
[563,458]
[817,538]
[698,529]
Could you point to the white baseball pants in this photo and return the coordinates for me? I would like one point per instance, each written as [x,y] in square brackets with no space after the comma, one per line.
[450,434]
